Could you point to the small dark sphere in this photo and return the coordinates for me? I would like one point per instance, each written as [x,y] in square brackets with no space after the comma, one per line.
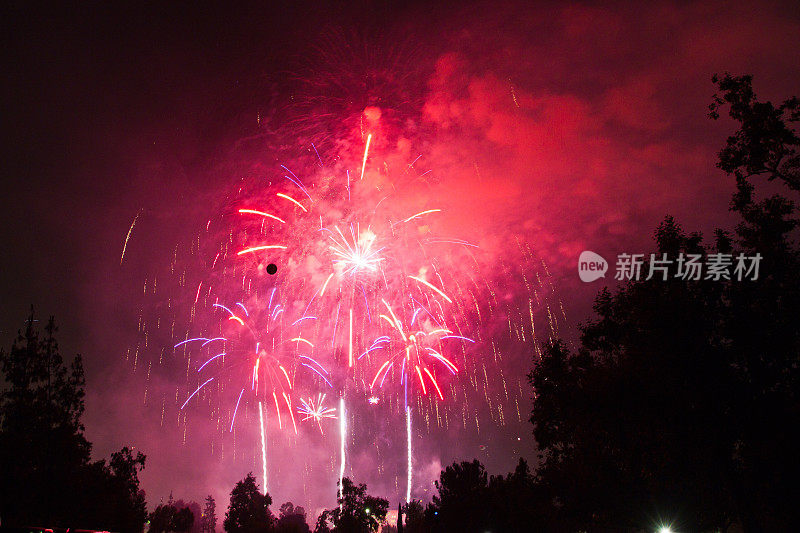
[272,268]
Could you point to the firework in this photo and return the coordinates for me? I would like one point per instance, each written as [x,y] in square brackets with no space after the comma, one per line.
[255,341]
[373,299]
[316,410]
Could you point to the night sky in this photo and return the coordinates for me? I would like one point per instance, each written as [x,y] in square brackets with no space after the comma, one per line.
[570,127]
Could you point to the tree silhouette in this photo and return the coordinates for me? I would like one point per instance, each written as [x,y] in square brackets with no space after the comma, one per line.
[194,508]
[248,511]
[358,512]
[292,519]
[461,503]
[184,520]
[209,519]
[323,522]
[677,401]
[42,443]
[44,455]
[162,518]
[518,503]
[761,321]
[415,517]
[172,517]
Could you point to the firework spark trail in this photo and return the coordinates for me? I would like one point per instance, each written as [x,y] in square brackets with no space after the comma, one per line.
[350,342]
[408,454]
[233,419]
[261,213]
[128,236]
[366,151]
[343,441]
[295,202]
[260,248]
[263,447]
[195,392]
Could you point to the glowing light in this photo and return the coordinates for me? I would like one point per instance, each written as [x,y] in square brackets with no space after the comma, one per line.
[319,373]
[325,285]
[259,248]
[356,256]
[408,452]
[190,340]
[263,447]
[195,392]
[128,236]
[421,381]
[300,339]
[379,373]
[289,407]
[286,375]
[261,213]
[366,151]
[350,347]
[277,409]
[204,364]
[236,409]
[433,380]
[395,320]
[421,213]
[295,202]
[343,439]
[443,295]
[316,410]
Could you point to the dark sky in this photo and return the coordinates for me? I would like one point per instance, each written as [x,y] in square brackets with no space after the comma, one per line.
[587,121]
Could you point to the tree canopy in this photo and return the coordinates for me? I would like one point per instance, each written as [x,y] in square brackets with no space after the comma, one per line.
[358,512]
[44,454]
[173,516]
[208,522]
[292,519]
[248,511]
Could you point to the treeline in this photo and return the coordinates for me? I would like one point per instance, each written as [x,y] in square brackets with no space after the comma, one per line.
[249,512]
